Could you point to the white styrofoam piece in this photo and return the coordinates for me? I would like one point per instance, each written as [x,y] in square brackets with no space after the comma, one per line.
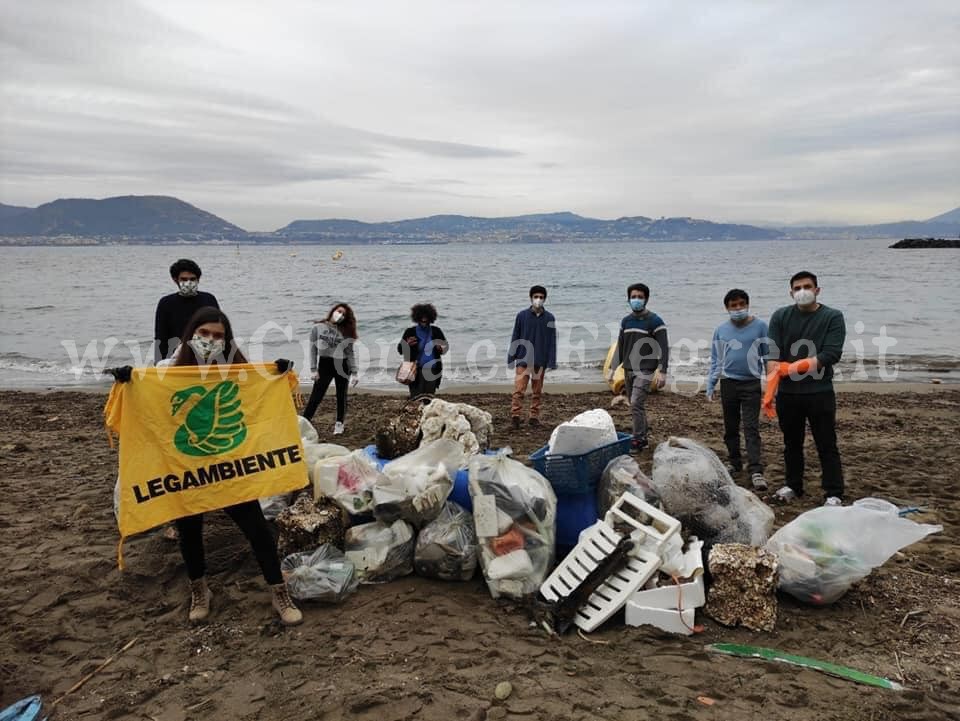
[666,620]
[596,543]
[680,596]
[582,433]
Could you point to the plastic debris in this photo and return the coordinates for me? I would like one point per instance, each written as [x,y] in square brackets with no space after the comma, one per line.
[744,588]
[447,546]
[623,475]
[323,574]
[770,654]
[380,552]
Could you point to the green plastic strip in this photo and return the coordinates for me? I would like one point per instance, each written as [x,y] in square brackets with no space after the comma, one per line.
[771,654]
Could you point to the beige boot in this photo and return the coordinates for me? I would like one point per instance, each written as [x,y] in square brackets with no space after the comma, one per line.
[199,600]
[289,614]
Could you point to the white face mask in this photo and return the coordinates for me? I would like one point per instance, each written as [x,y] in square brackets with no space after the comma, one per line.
[188,287]
[337,317]
[804,297]
[206,348]
[538,303]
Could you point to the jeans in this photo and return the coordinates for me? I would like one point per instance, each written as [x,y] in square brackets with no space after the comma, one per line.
[637,386]
[820,409]
[523,377]
[326,371]
[741,399]
[250,520]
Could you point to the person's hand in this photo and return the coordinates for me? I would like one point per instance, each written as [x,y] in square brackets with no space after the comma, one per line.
[353,381]
[315,376]
[283,365]
[661,381]
[710,395]
[121,374]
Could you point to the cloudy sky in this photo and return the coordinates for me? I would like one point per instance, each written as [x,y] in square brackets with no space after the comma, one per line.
[267,112]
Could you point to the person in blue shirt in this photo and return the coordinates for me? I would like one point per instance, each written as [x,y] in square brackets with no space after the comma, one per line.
[644,351]
[533,350]
[424,343]
[737,356]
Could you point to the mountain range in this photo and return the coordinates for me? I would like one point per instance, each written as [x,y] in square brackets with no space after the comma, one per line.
[165,219]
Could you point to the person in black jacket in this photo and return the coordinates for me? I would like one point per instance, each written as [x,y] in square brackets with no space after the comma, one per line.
[174,311]
[424,343]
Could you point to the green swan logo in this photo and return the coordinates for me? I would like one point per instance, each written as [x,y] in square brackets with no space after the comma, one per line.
[214,423]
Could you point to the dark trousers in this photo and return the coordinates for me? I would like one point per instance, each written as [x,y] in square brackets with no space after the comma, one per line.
[249,517]
[741,400]
[424,382]
[820,409]
[327,371]
[637,387]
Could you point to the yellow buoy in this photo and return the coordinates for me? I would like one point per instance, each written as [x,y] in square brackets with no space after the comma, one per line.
[338,255]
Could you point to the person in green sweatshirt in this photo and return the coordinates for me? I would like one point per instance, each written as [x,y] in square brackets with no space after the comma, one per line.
[806,341]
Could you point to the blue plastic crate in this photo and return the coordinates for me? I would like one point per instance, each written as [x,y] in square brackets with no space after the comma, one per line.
[579,473]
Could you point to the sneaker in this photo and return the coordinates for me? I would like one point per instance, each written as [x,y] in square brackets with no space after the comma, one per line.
[515,423]
[758,481]
[785,495]
[832,501]
[338,428]
[534,422]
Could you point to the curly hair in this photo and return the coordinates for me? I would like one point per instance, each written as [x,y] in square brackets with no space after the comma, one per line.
[423,310]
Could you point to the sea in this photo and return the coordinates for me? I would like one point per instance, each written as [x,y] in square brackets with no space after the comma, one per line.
[69,312]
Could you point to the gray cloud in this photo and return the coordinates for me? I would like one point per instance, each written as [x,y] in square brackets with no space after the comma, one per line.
[738,110]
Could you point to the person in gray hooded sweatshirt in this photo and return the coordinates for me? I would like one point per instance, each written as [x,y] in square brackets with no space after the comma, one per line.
[333,358]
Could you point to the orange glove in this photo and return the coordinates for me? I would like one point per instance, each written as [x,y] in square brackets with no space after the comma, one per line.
[800,367]
[773,382]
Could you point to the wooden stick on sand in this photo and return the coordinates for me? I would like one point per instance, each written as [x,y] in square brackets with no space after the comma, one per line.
[93,673]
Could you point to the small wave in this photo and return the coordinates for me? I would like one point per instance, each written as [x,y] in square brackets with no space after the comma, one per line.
[40,307]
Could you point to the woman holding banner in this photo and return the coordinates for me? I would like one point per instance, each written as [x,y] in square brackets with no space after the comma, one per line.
[208,340]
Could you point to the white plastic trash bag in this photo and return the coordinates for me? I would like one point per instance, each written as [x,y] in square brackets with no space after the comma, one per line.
[695,488]
[415,486]
[349,480]
[313,452]
[308,434]
[823,552]
[380,552]
[323,574]
[447,546]
[582,433]
[515,512]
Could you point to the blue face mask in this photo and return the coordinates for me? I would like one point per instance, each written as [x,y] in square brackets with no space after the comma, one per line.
[637,304]
[738,315]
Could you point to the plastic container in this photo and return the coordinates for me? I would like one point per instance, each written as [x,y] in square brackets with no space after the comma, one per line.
[575,474]
[574,513]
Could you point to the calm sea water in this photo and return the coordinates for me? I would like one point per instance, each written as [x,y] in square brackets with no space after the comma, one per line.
[69,311]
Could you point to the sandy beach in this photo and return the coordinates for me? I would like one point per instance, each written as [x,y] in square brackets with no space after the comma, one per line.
[422,649]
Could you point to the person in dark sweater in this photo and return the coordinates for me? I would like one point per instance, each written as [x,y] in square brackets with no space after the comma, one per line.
[644,351]
[806,341]
[424,343]
[533,351]
[174,311]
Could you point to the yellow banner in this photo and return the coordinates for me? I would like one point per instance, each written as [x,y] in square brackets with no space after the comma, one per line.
[199,438]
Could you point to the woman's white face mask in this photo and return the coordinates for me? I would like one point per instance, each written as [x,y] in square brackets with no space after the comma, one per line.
[207,348]
[337,317]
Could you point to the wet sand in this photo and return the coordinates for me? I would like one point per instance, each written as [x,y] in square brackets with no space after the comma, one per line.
[421,649]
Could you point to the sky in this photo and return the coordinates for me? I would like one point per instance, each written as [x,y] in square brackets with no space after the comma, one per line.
[263,113]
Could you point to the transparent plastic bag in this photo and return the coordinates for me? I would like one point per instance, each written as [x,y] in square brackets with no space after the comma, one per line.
[272,506]
[308,434]
[447,546]
[515,512]
[623,475]
[415,486]
[323,574]
[349,480]
[824,551]
[380,552]
[695,488]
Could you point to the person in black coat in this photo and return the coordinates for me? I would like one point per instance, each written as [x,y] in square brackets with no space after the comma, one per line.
[424,343]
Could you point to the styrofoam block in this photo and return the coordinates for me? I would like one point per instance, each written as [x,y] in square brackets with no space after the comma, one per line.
[666,620]
[685,565]
[685,595]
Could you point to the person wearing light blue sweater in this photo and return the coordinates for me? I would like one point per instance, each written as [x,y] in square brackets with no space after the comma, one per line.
[737,356]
